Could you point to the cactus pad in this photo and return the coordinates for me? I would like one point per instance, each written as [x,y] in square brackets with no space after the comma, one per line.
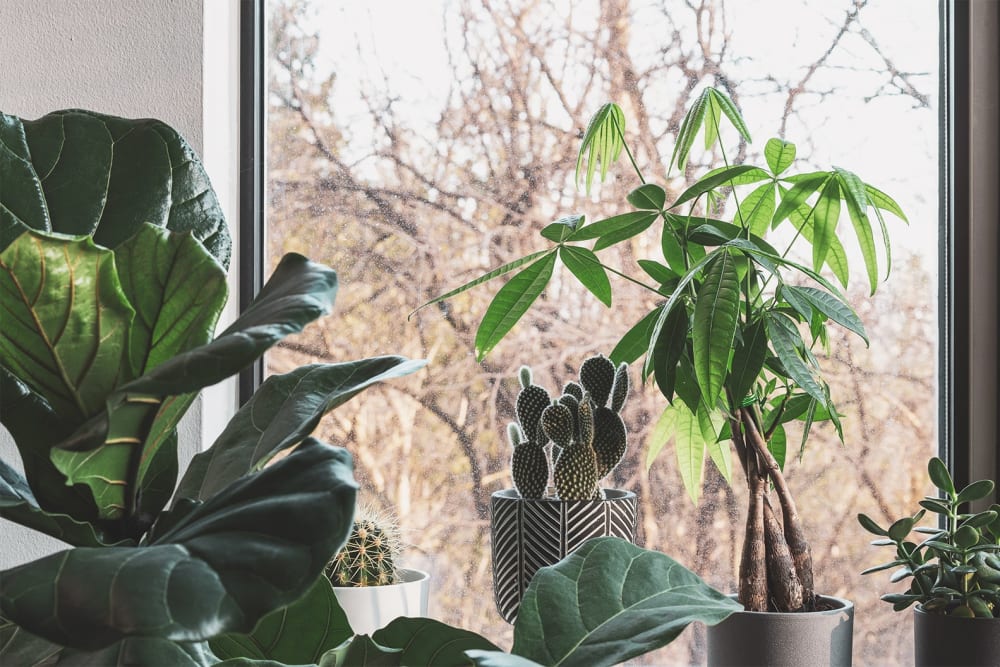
[530,470]
[531,402]
[619,392]
[610,440]
[597,375]
[576,473]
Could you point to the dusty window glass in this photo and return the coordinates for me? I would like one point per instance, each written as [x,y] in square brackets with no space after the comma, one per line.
[414,145]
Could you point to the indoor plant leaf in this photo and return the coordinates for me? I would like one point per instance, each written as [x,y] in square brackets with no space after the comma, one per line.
[298,633]
[642,601]
[602,142]
[143,651]
[255,546]
[362,651]
[714,325]
[584,264]
[66,320]
[427,642]
[177,289]
[511,302]
[786,342]
[20,647]
[81,172]
[280,414]
[616,228]
[499,659]
[689,447]
[779,155]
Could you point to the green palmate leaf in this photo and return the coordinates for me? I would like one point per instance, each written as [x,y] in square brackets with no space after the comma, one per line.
[299,633]
[836,257]
[748,360]
[486,277]
[779,155]
[748,177]
[866,240]
[672,302]
[283,411]
[778,445]
[714,325]
[18,504]
[787,343]
[825,215]
[797,195]
[624,232]
[66,320]
[78,172]
[831,306]
[619,227]
[602,142]
[719,232]
[662,431]
[635,341]
[712,118]
[142,415]
[692,122]
[177,289]
[731,112]
[511,302]
[715,180]
[648,196]
[667,351]
[251,548]
[563,228]
[757,208]
[658,272]
[588,269]
[689,447]
[642,601]
[711,423]
[881,200]
[424,641]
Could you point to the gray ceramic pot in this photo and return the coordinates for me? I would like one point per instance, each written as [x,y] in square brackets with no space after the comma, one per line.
[529,534]
[768,639]
[945,640]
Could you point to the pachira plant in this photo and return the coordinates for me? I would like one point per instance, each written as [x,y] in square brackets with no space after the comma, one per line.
[956,569]
[731,340]
[112,277]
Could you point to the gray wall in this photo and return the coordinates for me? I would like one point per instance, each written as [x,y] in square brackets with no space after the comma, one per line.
[133,58]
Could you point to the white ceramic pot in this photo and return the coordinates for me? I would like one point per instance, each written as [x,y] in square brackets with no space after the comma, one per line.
[369,608]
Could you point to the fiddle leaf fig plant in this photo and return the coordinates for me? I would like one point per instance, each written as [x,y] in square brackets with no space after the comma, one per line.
[955,571]
[742,302]
[112,278]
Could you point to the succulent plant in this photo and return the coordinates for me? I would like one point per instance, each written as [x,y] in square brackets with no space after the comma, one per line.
[583,425]
[956,570]
[369,556]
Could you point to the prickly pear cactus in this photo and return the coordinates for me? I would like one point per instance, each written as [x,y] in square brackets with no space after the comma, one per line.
[368,558]
[576,470]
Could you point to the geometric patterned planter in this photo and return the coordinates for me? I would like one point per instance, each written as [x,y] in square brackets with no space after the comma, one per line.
[528,534]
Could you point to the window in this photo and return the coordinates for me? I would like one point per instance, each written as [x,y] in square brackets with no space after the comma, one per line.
[414,153]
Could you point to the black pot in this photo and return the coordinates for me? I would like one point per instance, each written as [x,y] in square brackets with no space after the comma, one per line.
[528,534]
[773,639]
[947,640]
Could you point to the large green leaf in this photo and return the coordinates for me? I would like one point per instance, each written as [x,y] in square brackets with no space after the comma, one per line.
[511,302]
[430,643]
[142,651]
[714,325]
[80,172]
[66,320]
[177,289]
[123,441]
[717,179]
[284,410]
[748,360]
[826,214]
[298,633]
[18,504]
[35,428]
[588,269]
[257,545]
[787,343]
[363,651]
[20,647]
[689,447]
[610,601]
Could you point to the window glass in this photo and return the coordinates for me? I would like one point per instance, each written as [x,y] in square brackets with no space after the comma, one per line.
[415,145]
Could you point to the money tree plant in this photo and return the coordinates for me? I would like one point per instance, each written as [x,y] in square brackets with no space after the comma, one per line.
[742,301]
[113,254]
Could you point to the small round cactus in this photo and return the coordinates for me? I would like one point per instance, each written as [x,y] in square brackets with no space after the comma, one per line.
[368,558]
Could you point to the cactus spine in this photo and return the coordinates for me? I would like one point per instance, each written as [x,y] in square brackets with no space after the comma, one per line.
[584,425]
[368,558]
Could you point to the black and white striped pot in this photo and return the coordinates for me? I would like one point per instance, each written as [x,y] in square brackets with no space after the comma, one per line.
[529,534]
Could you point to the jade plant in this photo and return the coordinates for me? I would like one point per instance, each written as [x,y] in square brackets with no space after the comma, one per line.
[113,255]
[583,430]
[370,554]
[955,571]
[731,342]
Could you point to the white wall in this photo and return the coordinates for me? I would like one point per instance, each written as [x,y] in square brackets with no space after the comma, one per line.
[132,58]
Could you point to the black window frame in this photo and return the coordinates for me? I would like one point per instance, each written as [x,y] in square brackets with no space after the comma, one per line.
[966,389]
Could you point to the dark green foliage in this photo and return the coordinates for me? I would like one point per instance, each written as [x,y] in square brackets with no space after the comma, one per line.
[956,570]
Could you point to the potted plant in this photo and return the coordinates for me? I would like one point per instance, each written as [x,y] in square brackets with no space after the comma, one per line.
[730,340]
[562,449]
[112,276]
[370,587]
[954,574]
